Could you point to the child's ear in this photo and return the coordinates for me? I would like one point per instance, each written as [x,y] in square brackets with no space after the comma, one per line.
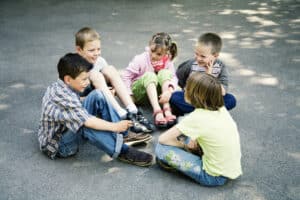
[78,49]
[216,55]
[67,79]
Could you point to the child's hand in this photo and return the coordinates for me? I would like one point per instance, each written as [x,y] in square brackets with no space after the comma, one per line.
[165,97]
[209,67]
[194,148]
[192,145]
[123,125]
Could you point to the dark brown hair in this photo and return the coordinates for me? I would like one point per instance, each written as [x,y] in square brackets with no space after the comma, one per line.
[204,91]
[72,64]
[164,41]
[213,40]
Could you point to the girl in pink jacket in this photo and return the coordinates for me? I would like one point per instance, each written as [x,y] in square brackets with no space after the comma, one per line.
[152,73]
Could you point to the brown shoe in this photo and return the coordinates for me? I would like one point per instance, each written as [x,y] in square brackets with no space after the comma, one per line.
[136,157]
[136,138]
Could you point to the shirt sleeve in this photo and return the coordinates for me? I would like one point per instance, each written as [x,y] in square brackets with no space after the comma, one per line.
[223,77]
[189,126]
[130,73]
[72,113]
[100,64]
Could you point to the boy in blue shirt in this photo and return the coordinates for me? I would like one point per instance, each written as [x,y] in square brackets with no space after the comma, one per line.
[65,120]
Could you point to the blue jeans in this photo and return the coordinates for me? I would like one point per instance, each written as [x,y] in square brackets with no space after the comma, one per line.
[188,164]
[180,106]
[109,142]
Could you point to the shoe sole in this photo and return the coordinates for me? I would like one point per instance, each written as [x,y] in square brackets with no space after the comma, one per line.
[165,166]
[138,141]
[140,164]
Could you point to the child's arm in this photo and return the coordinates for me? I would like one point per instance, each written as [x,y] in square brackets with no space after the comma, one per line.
[173,137]
[100,124]
[166,95]
[223,76]
[130,73]
[170,137]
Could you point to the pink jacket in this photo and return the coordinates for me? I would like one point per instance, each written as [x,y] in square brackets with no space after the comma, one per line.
[139,66]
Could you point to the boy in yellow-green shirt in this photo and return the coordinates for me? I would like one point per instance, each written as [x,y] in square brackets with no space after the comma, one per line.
[209,128]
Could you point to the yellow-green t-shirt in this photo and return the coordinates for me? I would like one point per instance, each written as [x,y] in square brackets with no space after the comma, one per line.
[217,134]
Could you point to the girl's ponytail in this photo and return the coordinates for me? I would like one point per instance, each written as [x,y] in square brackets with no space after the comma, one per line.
[173,50]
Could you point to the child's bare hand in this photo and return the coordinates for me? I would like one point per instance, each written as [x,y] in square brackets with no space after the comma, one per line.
[165,97]
[192,145]
[123,125]
[209,67]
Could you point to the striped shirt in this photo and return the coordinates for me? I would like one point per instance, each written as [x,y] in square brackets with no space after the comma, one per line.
[61,111]
[185,69]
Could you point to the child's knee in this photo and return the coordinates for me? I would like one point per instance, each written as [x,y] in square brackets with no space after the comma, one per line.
[148,78]
[160,151]
[164,75]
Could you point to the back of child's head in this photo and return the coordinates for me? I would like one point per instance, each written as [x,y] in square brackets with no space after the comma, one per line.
[204,91]
[212,40]
[72,64]
[164,41]
[85,35]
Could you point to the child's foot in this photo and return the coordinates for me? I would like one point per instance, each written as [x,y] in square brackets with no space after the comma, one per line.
[159,119]
[137,126]
[144,121]
[171,119]
[136,157]
[136,138]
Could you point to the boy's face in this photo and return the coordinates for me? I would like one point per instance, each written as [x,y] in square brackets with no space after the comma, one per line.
[91,51]
[79,83]
[203,55]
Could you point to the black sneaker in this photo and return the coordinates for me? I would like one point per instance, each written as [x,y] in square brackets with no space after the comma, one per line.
[135,157]
[144,121]
[164,166]
[137,126]
[136,138]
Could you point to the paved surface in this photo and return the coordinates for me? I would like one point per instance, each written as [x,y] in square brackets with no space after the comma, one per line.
[261,48]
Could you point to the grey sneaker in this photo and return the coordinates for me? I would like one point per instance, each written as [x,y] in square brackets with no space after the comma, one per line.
[136,157]
[137,125]
[136,138]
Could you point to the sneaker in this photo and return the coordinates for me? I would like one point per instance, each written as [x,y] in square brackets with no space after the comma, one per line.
[137,126]
[144,121]
[136,138]
[164,166]
[135,157]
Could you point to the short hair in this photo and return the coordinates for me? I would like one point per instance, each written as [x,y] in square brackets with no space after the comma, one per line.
[85,35]
[72,64]
[213,40]
[204,91]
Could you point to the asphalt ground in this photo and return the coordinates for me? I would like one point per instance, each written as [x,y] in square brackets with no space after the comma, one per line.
[261,49]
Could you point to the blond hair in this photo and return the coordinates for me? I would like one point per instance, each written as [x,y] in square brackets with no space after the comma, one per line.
[204,91]
[85,35]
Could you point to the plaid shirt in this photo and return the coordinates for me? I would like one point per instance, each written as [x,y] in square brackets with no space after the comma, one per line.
[61,110]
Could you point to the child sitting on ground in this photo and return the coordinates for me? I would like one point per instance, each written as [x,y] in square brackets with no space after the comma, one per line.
[65,121]
[88,45]
[206,60]
[148,70]
[210,127]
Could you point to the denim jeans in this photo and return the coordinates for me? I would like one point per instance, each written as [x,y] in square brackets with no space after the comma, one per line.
[109,142]
[180,106]
[188,164]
